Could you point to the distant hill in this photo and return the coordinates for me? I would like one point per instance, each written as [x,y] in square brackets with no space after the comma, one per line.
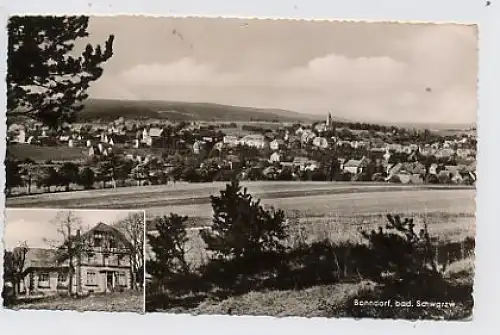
[108,110]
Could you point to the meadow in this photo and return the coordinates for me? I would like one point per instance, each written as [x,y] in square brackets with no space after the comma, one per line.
[114,302]
[162,198]
[39,153]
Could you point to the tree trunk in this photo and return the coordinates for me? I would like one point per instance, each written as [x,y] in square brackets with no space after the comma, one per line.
[133,277]
[15,286]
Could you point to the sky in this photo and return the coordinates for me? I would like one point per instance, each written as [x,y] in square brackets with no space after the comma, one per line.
[386,72]
[38,228]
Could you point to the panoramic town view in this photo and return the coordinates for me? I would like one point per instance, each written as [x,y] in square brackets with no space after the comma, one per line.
[287,168]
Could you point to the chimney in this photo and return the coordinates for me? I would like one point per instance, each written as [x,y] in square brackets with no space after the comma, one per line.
[78,271]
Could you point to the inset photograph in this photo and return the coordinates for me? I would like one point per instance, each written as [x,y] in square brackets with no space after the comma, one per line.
[65,259]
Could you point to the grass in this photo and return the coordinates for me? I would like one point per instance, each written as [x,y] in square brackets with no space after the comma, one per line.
[193,199]
[43,153]
[311,302]
[333,300]
[113,302]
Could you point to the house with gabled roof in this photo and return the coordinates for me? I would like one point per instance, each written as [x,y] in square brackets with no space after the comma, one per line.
[355,166]
[105,265]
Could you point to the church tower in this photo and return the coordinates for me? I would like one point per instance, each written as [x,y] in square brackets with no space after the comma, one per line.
[329,120]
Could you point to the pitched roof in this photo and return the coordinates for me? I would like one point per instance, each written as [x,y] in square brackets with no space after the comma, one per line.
[102,227]
[356,163]
[155,132]
[40,258]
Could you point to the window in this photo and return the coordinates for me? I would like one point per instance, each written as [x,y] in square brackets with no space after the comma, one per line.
[105,259]
[122,279]
[44,280]
[62,278]
[98,240]
[91,278]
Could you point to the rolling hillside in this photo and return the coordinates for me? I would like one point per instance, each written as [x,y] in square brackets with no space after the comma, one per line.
[107,110]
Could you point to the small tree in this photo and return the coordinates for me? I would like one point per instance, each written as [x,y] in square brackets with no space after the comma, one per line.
[168,245]
[50,178]
[68,174]
[86,178]
[401,254]
[14,266]
[241,226]
[73,247]
[12,175]
[28,172]
[133,229]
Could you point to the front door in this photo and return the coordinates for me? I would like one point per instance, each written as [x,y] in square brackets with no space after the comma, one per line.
[109,281]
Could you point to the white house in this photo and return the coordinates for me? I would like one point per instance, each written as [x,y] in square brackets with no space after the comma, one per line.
[230,141]
[21,136]
[274,145]
[307,135]
[275,158]
[148,135]
[254,140]
[320,142]
[197,146]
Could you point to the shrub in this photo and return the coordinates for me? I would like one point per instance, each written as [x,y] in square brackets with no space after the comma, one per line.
[405,261]
[395,179]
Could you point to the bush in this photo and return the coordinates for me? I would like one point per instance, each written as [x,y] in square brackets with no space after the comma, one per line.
[395,179]
[86,178]
[402,256]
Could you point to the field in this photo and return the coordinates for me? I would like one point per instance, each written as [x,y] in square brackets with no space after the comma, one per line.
[42,154]
[335,197]
[114,302]
[335,211]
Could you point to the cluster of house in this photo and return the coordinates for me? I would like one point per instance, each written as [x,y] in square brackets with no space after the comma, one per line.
[104,266]
[101,140]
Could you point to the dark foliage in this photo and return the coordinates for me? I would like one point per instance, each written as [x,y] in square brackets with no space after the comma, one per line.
[86,178]
[241,227]
[169,267]
[44,81]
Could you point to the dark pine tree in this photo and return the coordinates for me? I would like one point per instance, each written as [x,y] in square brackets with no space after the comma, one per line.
[241,226]
[168,247]
[45,80]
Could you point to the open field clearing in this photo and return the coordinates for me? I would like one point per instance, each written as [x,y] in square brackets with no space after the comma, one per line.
[351,204]
[45,153]
[114,302]
[338,217]
[157,197]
